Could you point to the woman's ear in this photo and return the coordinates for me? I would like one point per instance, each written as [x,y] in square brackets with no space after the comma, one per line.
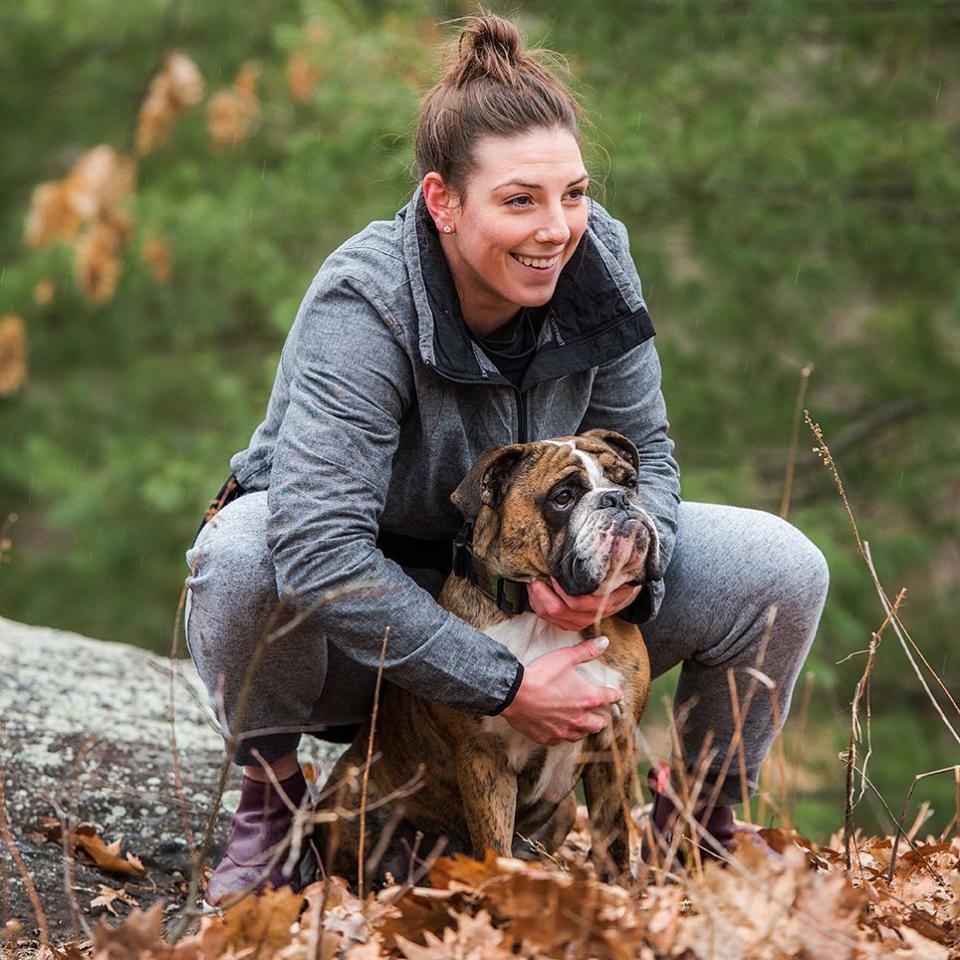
[439,198]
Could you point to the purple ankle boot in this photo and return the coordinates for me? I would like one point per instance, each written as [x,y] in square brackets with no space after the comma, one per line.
[718,822]
[261,822]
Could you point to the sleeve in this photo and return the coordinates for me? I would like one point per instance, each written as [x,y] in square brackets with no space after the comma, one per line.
[626,397]
[350,384]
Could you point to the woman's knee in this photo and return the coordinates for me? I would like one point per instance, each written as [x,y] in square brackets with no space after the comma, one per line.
[805,572]
[232,584]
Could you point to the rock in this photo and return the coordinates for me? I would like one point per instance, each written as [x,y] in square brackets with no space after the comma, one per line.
[86,728]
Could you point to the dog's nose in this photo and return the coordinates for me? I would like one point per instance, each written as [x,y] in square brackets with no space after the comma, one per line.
[614,499]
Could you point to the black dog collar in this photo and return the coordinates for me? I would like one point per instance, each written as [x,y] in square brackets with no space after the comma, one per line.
[509,595]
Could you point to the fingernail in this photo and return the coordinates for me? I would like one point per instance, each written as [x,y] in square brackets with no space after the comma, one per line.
[601,643]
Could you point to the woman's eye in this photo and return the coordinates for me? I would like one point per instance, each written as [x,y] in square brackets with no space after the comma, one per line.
[563,499]
[515,201]
[578,193]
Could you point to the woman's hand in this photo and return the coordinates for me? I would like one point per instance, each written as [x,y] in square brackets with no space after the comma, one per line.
[556,703]
[576,613]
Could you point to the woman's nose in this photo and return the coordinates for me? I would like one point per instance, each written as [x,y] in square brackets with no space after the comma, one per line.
[555,229]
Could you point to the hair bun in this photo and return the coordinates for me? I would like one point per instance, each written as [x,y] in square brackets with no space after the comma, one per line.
[490,45]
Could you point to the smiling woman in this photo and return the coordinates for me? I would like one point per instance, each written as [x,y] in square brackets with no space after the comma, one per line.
[499,306]
[526,215]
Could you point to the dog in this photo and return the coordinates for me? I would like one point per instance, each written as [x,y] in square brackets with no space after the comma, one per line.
[566,508]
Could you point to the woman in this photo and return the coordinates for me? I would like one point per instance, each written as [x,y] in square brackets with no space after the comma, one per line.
[500,305]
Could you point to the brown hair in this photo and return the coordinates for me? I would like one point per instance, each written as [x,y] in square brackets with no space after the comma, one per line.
[491,85]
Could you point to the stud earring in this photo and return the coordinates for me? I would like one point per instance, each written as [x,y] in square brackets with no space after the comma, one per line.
[447,228]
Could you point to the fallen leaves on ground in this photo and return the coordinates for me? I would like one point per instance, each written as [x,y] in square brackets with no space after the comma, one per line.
[85,837]
[782,896]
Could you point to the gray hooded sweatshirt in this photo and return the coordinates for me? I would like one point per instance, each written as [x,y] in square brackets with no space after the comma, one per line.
[383,401]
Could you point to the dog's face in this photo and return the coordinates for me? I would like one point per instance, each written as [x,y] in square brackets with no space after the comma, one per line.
[566,508]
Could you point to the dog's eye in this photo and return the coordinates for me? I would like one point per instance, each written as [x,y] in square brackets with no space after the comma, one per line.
[562,499]
[630,481]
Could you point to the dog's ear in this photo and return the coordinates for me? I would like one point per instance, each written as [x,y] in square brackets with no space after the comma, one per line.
[483,485]
[620,445]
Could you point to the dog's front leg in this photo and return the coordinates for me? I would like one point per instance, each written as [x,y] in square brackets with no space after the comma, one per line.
[489,791]
[606,787]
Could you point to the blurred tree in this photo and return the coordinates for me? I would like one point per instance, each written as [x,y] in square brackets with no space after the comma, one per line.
[787,170]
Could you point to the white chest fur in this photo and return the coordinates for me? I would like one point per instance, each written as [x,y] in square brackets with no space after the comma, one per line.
[528,637]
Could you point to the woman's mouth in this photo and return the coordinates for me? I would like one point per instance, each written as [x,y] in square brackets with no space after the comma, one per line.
[541,265]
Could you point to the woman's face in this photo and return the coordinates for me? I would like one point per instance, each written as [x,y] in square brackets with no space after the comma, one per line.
[524,214]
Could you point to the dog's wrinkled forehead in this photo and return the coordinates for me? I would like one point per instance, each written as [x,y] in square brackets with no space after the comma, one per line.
[599,462]
[599,458]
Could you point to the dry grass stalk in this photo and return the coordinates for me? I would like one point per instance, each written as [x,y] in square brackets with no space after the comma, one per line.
[738,736]
[798,738]
[171,715]
[752,687]
[794,441]
[955,770]
[823,451]
[862,690]
[813,923]
[783,811]
[364,784]
[10,843]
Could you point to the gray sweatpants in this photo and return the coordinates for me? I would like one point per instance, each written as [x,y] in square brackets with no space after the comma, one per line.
[730,566]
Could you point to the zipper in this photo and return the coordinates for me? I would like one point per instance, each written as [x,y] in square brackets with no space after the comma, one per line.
[521,416]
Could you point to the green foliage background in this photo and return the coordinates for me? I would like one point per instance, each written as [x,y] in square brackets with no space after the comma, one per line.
[788,171]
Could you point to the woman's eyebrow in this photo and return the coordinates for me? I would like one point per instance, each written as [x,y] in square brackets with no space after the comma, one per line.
[537,186]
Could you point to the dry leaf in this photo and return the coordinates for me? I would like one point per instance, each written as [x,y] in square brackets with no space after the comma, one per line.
[44,292]
[137,935]
[107,895]
[93,190]
[97,263]
[178,86]
[262,922]
[155,254]
[474,939]
[52,216]
[232,114]
[13,354]
[85,837]
[302,76]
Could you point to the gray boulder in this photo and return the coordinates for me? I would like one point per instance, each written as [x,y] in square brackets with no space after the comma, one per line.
[86,728]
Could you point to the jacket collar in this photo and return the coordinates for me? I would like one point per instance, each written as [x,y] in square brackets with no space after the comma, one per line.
[596,313]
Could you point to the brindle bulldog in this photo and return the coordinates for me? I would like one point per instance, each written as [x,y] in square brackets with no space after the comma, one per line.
[566,508]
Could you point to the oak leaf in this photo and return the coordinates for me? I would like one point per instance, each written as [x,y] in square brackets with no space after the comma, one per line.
[107,895]
[262,923]
[137,936]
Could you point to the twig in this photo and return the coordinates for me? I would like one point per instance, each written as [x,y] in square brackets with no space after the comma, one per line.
[171,710]
[771,688]
[800,735]
[814,923]
[747,700]
[270,635]
[11,845]
[823,451]
[895,624]
[794,441]
[862,688]
[365,781]
[955,769]
[738,735]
